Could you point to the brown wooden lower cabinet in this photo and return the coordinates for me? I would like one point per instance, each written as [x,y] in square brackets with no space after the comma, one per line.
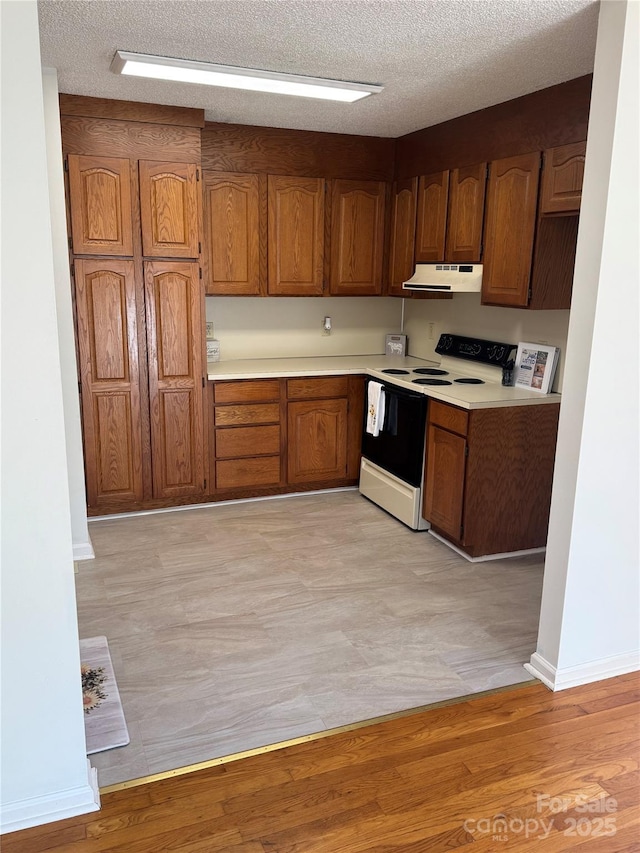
[106,295]
[488,475]
[275,436]
[173,301]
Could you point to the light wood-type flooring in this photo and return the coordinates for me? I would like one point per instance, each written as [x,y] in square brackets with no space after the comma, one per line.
[525,770]
[232,627]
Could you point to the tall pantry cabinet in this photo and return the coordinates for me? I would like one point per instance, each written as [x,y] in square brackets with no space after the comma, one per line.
[135,244]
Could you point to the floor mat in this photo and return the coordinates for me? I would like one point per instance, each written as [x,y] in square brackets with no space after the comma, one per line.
[105,725]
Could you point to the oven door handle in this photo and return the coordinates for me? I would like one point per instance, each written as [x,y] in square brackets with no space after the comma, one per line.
[401,392]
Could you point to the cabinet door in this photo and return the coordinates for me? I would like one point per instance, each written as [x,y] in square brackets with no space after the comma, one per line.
[169,209]
[174,337]
[232,233]
[444,480]
[562,176]
[466,213]
[433,192]
[511,217]
[317,440]
[357,237]
[109,372]
[100,201]
[296,236]
[403,234]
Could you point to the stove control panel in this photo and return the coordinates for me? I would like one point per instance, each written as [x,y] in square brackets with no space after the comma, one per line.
[476,349]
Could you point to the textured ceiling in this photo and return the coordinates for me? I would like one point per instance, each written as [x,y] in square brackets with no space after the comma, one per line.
[437,59]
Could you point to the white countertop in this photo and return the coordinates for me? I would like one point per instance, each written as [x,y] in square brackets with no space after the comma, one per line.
[489,395]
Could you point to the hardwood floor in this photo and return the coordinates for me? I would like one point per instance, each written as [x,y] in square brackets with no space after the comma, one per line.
[233,627]
[561,770]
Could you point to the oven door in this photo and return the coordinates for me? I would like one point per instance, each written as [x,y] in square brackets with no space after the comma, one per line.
[399,448]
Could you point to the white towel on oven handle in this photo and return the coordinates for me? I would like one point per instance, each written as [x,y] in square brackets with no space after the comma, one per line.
[375,408]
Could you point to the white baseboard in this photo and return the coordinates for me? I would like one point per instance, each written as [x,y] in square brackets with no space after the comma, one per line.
[50,807]
[214,504]
[83,551]
[485,557]
[572,676]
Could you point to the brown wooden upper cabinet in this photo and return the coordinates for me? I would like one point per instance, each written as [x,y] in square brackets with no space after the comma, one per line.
[510,228]
[106,314]
[403,234]
[173,300]
[433,195]
[466,214]
[296,236]
[100,202]
[169,209]
[232,234]
[357,237]
[450,215]
[562,177]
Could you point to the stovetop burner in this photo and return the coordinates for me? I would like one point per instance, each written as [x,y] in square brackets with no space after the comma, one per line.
[432,381]
[430,371]
[469,380]
[395,371]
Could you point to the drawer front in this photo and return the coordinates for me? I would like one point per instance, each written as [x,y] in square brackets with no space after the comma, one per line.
[448,417]
[247,391]
[260,413]
[236,473]
[247,441]
[317,387]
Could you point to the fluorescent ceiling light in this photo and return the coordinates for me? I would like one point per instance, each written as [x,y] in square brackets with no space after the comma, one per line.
[208,74]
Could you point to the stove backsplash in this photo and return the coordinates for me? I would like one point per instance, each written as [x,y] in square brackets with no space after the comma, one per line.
[425,321]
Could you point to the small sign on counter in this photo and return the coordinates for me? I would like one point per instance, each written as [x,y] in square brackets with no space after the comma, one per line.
[213,350]
[536,366]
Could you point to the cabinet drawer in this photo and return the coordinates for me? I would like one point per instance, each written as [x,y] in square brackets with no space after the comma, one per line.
[448,417]
[246,391]
[260,413]
[235,473]
[318,387]
[247,441]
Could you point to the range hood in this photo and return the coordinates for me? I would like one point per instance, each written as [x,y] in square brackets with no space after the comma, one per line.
[446,278]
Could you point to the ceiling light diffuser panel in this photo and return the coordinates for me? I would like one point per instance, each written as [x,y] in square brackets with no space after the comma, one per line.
[231,77]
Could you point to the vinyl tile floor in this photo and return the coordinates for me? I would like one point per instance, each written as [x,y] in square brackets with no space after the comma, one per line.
[236,626]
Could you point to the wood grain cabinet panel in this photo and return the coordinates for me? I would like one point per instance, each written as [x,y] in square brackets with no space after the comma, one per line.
[258,413]
[317,440]
[315,387]
[174,320]
[444,480]
[248,473]
[295,236]
[433,195]
[488,491]
[404,197]
[248,441]
[357,237]
[512,198]
[247,391]
[169,209]
[232,234]
[100,202]
[466,214]
[110,381]
[562,176]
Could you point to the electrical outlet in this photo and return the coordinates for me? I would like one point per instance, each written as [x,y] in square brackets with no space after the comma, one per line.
[209,330]
[326,326]
[430,330]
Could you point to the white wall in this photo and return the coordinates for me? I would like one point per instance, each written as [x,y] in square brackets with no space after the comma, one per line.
[464,315]
[252,327]
[590,620]
[44,768]
[82,548]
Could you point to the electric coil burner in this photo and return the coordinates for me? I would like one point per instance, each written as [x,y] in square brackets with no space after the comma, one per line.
[430,371]
[469,380]
[432,381]
[395,371]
